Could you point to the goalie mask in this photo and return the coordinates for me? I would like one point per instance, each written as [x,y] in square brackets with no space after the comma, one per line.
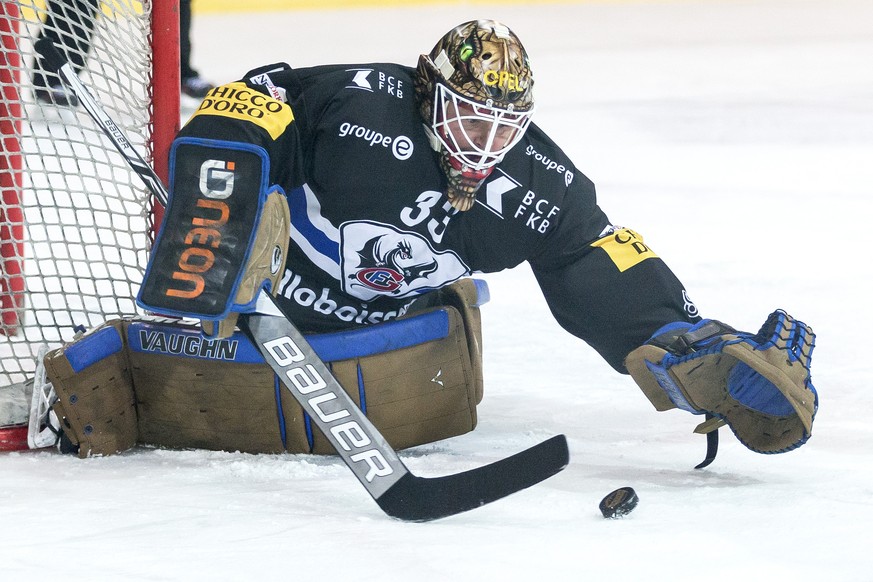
[474,91]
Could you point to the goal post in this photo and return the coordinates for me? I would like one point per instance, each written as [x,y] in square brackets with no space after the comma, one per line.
[76,223]
[11,218]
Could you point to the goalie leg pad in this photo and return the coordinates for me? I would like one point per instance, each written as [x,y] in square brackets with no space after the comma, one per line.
[423,388]
[418,379]
[196,392]
[414,378]
[467,295]
[95,403]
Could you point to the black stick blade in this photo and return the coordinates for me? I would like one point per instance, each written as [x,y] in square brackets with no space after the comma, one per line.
[415,498]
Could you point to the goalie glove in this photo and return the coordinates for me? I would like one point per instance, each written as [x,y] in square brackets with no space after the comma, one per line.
[759,385]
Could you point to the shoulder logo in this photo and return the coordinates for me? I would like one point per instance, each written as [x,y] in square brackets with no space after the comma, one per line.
[379,82]
[625,247]
[277,93]
[360,79]
[537,213]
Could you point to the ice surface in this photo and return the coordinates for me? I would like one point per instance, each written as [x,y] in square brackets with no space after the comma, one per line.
[736,136]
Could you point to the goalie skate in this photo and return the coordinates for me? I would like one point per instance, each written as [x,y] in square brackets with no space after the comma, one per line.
[26,418]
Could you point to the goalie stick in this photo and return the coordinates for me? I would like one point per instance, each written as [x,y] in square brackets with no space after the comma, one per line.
[373,461]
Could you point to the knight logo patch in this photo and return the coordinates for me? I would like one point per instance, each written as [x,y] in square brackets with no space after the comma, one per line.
[377,259]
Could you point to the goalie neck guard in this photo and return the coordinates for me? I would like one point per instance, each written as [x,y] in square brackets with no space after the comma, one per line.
[475,95]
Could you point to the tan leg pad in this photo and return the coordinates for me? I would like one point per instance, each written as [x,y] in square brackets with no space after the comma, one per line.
[465,296]
[95,393]
[418,394]
[164,384]
[214,405]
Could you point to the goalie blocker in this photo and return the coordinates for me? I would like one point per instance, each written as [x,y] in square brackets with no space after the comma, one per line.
[158,382]
[224,237]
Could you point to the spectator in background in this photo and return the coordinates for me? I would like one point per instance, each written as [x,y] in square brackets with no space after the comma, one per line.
[192,84]
[70,25]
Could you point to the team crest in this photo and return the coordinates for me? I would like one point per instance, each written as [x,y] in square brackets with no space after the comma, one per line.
[378,259]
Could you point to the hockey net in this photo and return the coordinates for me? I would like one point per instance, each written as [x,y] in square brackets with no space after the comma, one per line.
[75,221]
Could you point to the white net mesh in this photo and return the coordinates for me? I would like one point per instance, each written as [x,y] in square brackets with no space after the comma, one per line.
[74,219]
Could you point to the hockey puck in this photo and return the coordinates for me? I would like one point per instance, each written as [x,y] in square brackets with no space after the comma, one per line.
[619,503]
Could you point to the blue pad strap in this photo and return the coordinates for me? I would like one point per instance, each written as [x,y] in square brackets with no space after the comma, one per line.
[186,341]
[93,348]
[662,376]
[386,337]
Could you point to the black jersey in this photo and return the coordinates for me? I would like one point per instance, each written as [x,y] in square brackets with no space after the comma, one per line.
[373,231]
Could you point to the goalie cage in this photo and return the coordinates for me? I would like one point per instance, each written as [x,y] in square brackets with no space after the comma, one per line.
[76,223]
